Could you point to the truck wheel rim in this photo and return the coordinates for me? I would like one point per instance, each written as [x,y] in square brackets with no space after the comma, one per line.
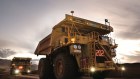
[59,67]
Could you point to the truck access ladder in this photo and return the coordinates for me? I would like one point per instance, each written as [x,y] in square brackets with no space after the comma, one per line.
[106,54]
[93,38]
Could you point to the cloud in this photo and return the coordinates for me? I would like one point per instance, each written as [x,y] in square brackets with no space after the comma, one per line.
[137,53]
[132,32]
[131,59]
[6,52]
[128,26]
[16,45]
[24,23]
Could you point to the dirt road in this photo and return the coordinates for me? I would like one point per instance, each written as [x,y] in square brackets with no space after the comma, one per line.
[31,76]
[7,76]
[24,77]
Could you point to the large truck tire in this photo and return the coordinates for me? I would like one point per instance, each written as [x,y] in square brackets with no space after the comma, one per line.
[11,72]
[64,66]
[45,68]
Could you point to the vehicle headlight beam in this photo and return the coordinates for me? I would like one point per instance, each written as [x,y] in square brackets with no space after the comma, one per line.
[28,71]
[123,68]
[92,69]
[17,71]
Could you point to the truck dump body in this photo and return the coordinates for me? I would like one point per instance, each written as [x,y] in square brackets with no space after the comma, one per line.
[82,25]
[44,46]
[20,59]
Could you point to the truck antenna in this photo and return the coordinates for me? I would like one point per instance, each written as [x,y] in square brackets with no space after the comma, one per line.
[106,21]
[72,12]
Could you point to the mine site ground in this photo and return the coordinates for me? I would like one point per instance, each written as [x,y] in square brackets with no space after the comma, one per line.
[6,75]
[132,72]
[36,77]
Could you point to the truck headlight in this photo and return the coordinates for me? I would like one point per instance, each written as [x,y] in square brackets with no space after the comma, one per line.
[28,71]
[17,71]
[92,69]
[123,68]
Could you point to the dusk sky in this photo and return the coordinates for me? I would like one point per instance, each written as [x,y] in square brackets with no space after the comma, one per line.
[23,23]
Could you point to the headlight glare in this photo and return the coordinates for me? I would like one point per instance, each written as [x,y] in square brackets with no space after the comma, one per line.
[123,68]
[73,40]
[92,69]
[17,71]
[28,71]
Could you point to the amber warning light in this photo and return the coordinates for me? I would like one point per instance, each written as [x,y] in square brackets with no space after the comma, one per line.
[20,67]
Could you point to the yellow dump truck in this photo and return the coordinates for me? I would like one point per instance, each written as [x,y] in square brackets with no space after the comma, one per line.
[20,65]
[77,46]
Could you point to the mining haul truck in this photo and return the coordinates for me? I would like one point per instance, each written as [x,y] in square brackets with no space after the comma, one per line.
[77,46]
[20,65]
